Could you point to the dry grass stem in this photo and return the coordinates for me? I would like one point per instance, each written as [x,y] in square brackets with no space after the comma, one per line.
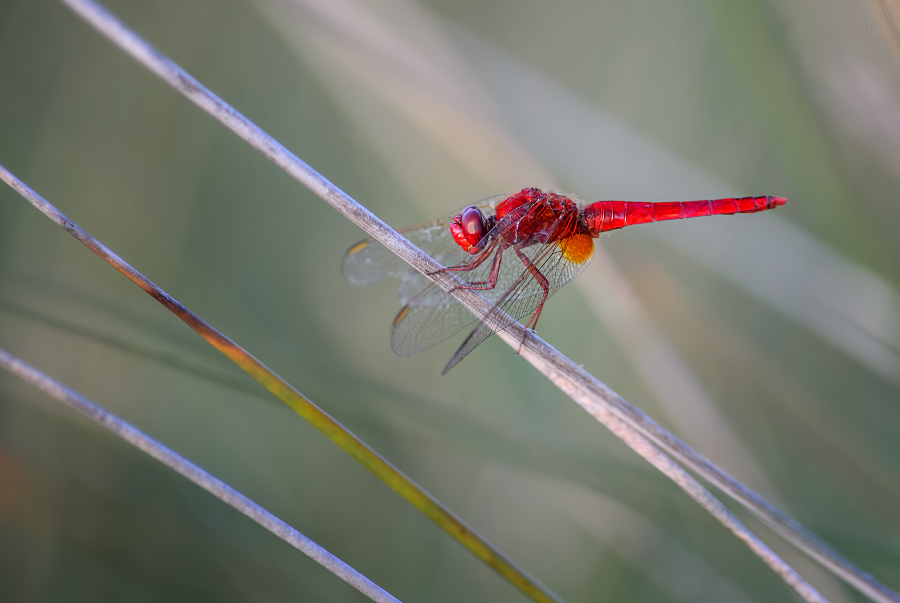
[194,474]
[337,433]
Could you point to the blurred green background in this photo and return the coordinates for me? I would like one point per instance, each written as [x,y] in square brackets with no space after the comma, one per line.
[770,342]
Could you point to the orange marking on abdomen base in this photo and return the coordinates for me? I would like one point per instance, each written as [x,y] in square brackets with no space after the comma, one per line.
[578,248]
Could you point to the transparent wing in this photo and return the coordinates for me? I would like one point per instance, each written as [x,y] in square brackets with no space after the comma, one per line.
[520,293]
[431,316]
[369,262]
[426,320]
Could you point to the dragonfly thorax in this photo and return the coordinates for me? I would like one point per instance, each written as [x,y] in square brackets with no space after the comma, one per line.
[534,216]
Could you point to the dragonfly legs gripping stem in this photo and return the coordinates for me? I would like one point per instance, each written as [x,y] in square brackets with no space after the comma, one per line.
[467,266]
[545,286]
[491,282]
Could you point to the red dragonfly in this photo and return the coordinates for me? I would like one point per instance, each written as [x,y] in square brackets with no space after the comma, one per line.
[517,250]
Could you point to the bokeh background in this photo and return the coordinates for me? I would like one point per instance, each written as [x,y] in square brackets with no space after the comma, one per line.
[770,342]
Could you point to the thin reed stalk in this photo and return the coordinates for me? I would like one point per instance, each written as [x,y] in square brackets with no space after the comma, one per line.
[337,433]
[590,393]
[194,474]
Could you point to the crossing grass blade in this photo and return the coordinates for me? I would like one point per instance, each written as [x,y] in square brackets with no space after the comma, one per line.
[194,474]
[336,432]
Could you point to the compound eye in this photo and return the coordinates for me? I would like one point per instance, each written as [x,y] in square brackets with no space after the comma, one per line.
[473,224]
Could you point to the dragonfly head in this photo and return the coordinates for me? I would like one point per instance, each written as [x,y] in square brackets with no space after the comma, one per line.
[469,229]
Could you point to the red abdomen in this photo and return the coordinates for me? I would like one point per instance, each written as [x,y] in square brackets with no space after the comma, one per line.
[610,215]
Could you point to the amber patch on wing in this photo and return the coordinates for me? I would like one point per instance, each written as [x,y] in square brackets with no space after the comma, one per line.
[578,248]
[401,315]
[358,247]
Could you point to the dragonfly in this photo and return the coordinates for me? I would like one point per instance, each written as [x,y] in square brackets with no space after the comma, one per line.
[515,249]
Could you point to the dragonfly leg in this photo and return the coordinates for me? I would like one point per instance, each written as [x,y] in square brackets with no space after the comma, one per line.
[475,263]
[492,277]
[545,285]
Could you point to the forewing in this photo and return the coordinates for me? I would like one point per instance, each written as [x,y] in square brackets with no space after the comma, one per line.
[432,316]
[427,320]
[520,293]
[369,262]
